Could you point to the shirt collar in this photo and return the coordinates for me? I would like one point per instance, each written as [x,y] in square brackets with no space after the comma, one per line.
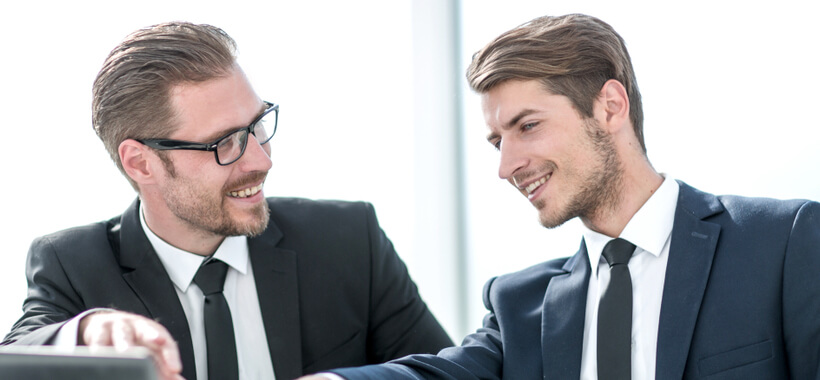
[649,228]
[181,265]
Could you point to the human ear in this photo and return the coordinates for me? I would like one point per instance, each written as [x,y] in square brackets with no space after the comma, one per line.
[614,104]
[136,161]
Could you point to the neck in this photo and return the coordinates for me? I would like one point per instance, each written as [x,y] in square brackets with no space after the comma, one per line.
[179,233]
[638,183]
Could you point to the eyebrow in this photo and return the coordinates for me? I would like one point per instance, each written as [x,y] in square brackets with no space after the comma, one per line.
[225,132]
[518,117]
[512,122]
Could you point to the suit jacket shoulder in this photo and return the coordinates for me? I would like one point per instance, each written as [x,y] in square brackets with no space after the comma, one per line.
[526,284]
[731,258]
[296,218]
[56,291]
[356,301]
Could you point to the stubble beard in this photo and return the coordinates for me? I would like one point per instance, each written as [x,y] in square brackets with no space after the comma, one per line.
[598,191]
[207,211]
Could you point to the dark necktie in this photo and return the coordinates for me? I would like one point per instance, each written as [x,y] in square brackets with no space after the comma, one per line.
[615,314]
[219,335]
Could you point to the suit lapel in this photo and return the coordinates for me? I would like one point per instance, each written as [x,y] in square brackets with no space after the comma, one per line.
[274,270]
[690,261]
[151,283]
[563,319]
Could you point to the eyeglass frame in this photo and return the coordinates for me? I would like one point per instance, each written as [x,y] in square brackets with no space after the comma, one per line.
[168,144]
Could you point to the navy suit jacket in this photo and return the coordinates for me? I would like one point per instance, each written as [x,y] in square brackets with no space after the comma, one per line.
[741,300]
[331,288]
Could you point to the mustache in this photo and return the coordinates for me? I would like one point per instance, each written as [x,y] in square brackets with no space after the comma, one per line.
[250,179]
[546,167]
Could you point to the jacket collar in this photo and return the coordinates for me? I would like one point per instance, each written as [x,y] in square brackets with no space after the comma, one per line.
[275,272]
[563,318]
[150,282]
[691,252]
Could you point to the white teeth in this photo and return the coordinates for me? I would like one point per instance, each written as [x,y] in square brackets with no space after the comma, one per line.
[531,187]
[246,192]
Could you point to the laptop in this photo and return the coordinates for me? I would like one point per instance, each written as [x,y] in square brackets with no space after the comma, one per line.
[50,363]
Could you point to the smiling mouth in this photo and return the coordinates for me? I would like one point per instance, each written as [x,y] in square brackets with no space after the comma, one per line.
[536,184]
[247,192]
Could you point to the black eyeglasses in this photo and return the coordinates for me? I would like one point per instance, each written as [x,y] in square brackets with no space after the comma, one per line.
[229,148]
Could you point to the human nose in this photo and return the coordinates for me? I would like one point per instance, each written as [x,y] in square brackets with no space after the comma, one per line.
[510,161]
[256,156]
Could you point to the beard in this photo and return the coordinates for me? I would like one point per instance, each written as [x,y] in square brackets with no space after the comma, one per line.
[597,189]
[207,211]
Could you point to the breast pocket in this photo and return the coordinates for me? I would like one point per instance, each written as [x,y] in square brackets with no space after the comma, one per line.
[736,358]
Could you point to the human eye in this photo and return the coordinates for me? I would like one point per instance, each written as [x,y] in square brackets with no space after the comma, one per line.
[259,130]
[496,143]
[528,126]
[228,141]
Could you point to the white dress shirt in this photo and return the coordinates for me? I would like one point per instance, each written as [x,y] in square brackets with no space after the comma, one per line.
[650,230]
[253,355]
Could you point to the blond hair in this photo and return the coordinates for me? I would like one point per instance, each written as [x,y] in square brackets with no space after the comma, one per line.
[131,94]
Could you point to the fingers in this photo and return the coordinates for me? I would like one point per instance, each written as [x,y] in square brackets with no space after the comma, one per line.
[125,330]
[122,335]
[159,341]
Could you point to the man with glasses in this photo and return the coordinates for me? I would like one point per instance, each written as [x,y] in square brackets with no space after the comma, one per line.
[216,280]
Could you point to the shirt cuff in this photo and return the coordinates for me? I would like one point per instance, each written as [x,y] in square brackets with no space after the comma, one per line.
[67,335]
[330,376]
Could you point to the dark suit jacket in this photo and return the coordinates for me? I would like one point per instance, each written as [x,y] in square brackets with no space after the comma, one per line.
[741,300]
[331,288]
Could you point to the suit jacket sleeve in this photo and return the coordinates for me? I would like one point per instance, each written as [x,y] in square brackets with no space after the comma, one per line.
[401,324]
[801,294]
[51,299]
[479,357]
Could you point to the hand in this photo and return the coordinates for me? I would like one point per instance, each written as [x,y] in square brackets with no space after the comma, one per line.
[124,330]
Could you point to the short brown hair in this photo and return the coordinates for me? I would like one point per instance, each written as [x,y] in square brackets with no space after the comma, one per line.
[572,55]
[131,95]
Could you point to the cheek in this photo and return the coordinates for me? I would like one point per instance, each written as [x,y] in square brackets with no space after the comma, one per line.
[207,176]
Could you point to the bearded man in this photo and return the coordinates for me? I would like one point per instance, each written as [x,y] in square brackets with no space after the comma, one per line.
[669,282]
[216,280]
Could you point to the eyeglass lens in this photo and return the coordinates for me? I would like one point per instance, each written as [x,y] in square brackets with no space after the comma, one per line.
[231,147]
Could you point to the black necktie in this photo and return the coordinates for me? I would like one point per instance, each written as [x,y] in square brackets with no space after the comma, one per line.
[219,336]
[615,314]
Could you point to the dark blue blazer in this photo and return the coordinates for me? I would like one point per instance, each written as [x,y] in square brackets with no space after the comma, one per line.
[741,300]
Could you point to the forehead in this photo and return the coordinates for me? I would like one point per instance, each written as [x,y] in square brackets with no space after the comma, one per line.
[508,101]
[214,107]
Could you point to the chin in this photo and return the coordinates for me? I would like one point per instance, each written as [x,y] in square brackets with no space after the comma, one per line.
[251,222]
[551,223]
[551,220]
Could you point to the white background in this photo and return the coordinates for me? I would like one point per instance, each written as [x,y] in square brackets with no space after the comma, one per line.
[730,95]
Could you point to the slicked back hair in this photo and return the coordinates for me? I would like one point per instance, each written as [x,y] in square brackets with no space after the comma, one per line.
[571,55]
[132,91]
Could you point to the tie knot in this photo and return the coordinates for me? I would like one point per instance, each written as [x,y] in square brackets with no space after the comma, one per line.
[211,276]
[618,251]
